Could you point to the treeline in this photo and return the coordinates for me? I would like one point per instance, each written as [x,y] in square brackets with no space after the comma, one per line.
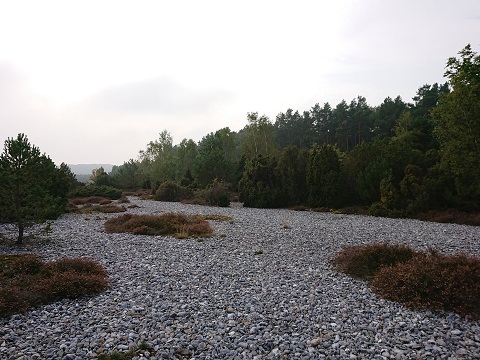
[397,158]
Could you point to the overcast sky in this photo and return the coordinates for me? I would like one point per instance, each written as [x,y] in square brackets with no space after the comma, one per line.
[95,81]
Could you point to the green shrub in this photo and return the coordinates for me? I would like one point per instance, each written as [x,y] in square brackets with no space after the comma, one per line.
[171,191]
[94,190]
[217,194]
[433,281]
[363,261]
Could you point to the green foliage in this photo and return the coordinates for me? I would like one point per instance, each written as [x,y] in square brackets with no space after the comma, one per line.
[157,162]
[433,281]
[171,191]
[259,136]
[324,177]
[292,169]
[217,194]
[364,261]
[93,190]
[27,281]
[127,176]
[260,184]
[215,159]
[457,126]
[33,188]
[178,225]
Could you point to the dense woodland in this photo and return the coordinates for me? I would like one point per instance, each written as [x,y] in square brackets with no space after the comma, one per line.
[398,158]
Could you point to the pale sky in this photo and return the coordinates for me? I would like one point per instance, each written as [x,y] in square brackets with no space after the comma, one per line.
[95,81]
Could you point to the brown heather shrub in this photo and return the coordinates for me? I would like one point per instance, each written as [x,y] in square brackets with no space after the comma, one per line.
[216,217]
[178,225]
[363,261]
[26,281]
[110,209]
[433,281]
[71,284]
[123,200]
[451,216]
[321,209]
[79,265]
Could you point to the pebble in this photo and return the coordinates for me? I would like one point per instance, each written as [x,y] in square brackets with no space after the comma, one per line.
[219,299]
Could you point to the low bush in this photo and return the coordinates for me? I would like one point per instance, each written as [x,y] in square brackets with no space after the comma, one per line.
[217,194]
[171,191]
[27,281]
[418,280]
[451,216]
[94,190]
[433,281]
[178,225]
[363,261]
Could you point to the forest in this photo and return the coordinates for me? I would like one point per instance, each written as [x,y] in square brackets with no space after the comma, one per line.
[396,159]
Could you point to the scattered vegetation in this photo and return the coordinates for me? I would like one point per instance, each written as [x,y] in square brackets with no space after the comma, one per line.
[216,217]
[168,224]
[94,204]
[27,281]
[140,351]
[418,280]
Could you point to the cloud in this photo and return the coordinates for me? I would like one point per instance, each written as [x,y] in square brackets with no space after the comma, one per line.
[159,96]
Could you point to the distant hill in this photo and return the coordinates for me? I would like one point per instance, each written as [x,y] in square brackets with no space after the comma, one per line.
[86,169]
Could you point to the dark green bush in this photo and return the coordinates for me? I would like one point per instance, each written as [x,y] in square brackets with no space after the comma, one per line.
[217,194]
[363,261]
[171,191]
[433,281]
[93,190]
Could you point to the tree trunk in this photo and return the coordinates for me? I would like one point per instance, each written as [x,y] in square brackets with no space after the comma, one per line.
[21,228]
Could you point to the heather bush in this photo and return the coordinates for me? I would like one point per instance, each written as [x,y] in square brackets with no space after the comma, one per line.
[433,281]
[363,261]
[178,225]
[27,281]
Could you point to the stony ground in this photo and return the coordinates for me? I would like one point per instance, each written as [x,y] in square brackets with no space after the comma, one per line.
[260,288]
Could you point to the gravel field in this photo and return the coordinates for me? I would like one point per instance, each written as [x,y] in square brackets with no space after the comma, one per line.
[260,288]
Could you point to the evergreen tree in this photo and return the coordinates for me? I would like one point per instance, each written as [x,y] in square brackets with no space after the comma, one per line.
[28,194]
